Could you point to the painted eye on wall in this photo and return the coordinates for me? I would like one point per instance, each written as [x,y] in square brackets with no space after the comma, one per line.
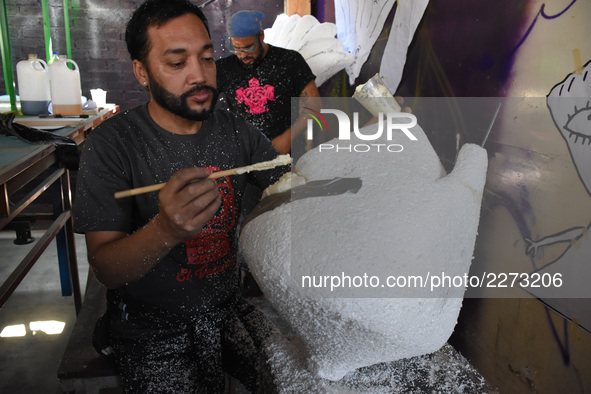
[579,123]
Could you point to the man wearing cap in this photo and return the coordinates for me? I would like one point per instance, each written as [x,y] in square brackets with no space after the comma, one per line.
[259,80]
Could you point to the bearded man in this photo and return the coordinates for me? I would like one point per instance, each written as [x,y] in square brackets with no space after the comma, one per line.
[176,321]
[259,80]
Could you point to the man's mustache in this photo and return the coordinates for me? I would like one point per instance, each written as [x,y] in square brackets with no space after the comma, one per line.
[198,88]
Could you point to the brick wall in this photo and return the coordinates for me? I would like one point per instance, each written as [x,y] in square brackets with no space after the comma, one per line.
[98,40]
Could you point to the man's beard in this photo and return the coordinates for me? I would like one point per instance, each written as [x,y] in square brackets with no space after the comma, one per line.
[178,105]
[254,64]
[257,60]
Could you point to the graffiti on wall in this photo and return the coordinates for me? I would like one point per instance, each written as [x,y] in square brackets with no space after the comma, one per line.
[569,103]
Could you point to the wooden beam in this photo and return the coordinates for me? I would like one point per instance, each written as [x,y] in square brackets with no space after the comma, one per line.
[300,7]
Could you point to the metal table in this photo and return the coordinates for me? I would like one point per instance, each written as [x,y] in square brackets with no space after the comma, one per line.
[36,166]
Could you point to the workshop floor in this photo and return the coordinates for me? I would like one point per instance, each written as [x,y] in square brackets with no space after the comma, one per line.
[29,357]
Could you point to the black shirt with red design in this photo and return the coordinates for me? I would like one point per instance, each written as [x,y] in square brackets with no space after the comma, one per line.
[130,150]
[262,93]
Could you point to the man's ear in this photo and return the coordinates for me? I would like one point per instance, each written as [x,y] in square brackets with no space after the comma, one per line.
[140,73]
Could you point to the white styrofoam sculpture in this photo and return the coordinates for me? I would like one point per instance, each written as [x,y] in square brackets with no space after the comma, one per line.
[407,218]
[315,41]
[360,23]
[406,20]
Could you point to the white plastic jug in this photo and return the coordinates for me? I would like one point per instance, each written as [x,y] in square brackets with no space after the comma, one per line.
[33,85]
[65,87]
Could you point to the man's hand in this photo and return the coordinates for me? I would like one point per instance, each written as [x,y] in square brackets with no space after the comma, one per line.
[403,108]
[187,202]
[283,142]
[310,98]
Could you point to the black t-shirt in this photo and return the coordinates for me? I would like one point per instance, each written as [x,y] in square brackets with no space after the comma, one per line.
[262,94]
[130,150]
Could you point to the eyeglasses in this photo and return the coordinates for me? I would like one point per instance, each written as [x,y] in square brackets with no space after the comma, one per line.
[251,49]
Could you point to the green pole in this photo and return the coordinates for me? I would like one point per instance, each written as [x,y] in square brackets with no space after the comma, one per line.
[67,27]
[7,57]
[47,32]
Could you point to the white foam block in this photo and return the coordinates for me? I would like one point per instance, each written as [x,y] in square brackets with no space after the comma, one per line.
[315,41]
[408,218]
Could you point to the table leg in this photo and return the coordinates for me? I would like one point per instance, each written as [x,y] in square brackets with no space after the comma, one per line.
[66,247]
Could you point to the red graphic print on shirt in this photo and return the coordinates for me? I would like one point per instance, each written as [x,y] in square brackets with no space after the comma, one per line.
[212,243]
[255,96]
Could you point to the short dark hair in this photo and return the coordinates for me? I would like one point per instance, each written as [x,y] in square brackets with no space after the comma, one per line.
[155,13]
